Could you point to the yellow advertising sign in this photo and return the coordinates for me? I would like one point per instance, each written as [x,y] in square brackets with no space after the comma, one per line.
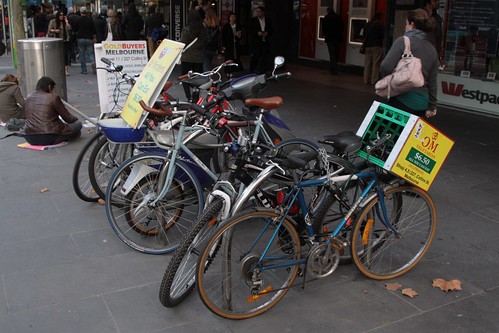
[151,81]
[422,155]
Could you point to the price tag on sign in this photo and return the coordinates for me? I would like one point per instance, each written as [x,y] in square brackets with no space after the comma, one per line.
[422,155]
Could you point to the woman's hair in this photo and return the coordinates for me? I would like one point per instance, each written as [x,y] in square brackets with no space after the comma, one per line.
[44,83]
[10,78]
[151,10]
[211,19]
[57,19]
[421,20]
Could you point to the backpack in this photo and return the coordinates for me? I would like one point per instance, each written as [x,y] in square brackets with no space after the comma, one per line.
[14,124]
[158,34]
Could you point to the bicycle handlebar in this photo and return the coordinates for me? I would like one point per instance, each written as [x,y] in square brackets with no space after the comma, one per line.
[168,112]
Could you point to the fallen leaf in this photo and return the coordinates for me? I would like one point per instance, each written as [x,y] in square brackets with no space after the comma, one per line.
[409,292]
[43,189]
[90,130]
[393,286]
[89,81]
[76,106]
[447,285]
[101,201]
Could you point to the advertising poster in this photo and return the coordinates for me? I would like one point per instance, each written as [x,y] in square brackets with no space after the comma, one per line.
[422,155]
[151,81]
[113,91]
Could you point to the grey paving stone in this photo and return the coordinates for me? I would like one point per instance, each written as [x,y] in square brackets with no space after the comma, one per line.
[58,283]
[79,316]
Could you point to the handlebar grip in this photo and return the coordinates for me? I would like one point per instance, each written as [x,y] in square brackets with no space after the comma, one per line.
[106,61]
[198,109]
[279,76]
[156,112]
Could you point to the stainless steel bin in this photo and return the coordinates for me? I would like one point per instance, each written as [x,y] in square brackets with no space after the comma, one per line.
[39,57]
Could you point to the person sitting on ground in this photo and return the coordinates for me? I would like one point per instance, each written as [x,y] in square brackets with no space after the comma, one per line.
[11,99]
[43,125]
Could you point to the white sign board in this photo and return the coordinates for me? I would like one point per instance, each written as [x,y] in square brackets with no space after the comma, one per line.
[473,94]
[113,91]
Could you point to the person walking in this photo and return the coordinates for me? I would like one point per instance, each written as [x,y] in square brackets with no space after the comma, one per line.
[59,27]
[231,36]
[73,47]
[436,36]
[373,45]
[213,38]
[333,33]
[100,23]
[192,58]
[44,108]
[154,23]
[85,38]
[115,24]
[260,33]
[132,24]
[420,101]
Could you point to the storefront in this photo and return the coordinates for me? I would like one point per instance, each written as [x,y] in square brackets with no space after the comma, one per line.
[469,43]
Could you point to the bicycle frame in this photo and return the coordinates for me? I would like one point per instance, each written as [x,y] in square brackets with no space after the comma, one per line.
[296,193]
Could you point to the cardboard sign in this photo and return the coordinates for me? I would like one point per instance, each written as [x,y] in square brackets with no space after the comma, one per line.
[419,149]
[151,81]
[132,55]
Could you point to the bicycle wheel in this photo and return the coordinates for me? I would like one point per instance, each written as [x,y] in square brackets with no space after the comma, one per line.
[144,226]
[234,281]
[104,159]
[180,275]
[380,254]
[81,180]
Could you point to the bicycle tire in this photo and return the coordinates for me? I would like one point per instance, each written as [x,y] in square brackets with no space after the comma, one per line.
[104,159]
[224,277]
[146,228]
[378,253]
[80,177]
[179,278]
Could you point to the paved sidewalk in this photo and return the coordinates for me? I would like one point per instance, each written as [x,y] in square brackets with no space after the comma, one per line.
[63,269]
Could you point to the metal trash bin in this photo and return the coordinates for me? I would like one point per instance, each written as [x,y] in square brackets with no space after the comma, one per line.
[42,56]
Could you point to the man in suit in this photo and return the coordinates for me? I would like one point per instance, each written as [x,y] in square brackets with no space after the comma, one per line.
[333,33]
[260,33]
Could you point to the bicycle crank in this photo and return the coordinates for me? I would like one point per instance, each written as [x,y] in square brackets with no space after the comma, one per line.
[323,259]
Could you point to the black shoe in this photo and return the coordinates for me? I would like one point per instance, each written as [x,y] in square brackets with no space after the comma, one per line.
[83,72]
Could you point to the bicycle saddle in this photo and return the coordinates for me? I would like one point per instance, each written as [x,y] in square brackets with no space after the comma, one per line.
[200,82]
[346,141]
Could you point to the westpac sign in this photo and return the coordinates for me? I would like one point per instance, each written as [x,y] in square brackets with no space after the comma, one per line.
[468,93]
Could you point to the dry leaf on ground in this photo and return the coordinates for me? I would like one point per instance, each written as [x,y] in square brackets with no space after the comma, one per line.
[409,292]
[76,106]
[393,286]
[90,130]
[43,189]
[89,81]
[101,201]
[447,285]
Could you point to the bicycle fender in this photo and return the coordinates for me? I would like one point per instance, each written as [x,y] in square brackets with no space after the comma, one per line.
[139,171]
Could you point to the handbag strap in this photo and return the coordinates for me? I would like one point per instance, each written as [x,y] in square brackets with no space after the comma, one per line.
[407,48]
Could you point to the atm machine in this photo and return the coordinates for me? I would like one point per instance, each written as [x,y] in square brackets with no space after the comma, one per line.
[359,13]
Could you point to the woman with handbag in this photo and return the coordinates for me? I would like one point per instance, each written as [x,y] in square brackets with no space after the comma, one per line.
[421,101]
[59,27]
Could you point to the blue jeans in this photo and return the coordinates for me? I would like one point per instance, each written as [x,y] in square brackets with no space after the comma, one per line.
[86,47]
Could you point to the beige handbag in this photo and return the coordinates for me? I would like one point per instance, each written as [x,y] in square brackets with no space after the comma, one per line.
[407,75]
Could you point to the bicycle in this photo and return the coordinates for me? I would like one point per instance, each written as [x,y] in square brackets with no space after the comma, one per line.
[80,176]
[254,258]
[224,201]
[144,185]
